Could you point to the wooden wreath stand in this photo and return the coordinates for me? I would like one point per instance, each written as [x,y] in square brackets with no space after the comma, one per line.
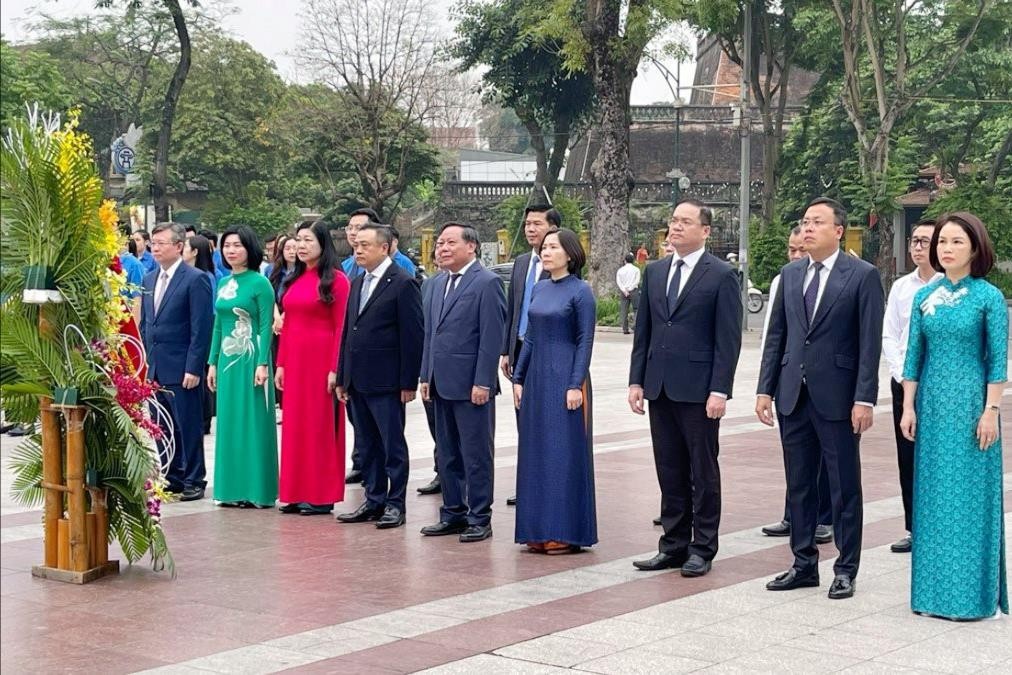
[76,541]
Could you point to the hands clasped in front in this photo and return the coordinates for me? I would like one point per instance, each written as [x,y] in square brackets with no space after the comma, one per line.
[574,397]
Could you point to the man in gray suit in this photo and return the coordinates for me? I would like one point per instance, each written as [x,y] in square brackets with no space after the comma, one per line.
[527,271]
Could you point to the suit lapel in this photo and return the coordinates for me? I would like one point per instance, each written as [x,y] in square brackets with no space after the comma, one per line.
[835,284]
[658,286]
[520,286]
[354,295]
[462,285]
[381,285]
[793,282]
[438,296]
[701,268]
[174,283]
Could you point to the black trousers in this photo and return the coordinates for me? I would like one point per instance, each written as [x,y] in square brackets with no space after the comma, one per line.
[464,434]
[685,455]
[430,419]
[809,439]
[825,503]
[623,307]
[384,452]
[904,455]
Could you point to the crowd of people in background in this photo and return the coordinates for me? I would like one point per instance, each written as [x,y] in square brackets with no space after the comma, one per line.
[344,340]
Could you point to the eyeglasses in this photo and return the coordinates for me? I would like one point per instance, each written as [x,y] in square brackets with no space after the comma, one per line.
[920,242]
[158,244]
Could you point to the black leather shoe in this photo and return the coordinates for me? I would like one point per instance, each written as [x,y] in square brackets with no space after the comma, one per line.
[192,494]
[661,561]
[790,580]
[511,501]
[354,476]
[443,528]
[657,520]
[475,533]
[823,534]
[4,428]
[842,587]
[20,430]
[695,566]
[433,488]
[902,546]
[294,507]
[316,509]
[392,517]
[781,529]
[363,514]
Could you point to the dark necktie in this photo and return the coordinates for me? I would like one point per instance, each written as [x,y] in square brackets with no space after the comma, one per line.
[452,285]
[812,292]
[676,282]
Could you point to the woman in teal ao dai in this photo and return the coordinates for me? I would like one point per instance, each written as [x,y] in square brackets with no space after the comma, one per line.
[953,379]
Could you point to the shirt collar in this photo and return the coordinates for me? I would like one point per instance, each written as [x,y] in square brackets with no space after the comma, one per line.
[172,268]
[915,278]
[690,260]
[381,269]
[828,263]
[463,270]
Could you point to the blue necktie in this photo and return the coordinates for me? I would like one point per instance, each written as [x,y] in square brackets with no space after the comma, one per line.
[812,292]
[364,295]
[528,289]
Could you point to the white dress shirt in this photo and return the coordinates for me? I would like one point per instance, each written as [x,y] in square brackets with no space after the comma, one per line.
[462,271]
[538,267]
[827,267]
[627,278]
[690,264]
[896,326]
[376,274]
[159,295]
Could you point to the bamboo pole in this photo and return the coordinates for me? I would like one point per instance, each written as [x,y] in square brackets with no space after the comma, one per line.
[77,503]
[52,475]
[100,542]
[90,523]
[63,552]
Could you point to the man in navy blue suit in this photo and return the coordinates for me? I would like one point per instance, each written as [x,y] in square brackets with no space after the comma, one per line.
[685,351]
[463,337]
[377,373]
[176,330]
[820,362]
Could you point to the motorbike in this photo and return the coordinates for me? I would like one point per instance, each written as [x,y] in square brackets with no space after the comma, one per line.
[755,301]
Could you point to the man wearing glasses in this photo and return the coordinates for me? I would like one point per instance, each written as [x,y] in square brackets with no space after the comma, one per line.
[894,349]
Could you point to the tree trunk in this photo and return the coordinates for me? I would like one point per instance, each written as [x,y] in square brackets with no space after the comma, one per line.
[611,177]
[999,159]
[161,172]
[560,143]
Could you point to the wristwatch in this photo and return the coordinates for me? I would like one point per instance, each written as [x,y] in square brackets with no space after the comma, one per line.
[995,408]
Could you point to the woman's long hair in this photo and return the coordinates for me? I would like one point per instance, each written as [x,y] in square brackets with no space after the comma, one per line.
[278,265]
[204,261]
[328,264]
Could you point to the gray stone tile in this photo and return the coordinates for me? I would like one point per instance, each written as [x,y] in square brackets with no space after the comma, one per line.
[639,660]
[1003,668]
[783,661]
[253,659]
[404,623]
[956,651]
[556,650]
[673,614]
[622,634]
[910,628]
[875,668]
[470,606]
[759,634]
[833,641]
[701,647]
[817,612]
[489,664]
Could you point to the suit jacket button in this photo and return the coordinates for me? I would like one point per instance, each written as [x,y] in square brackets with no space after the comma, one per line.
[808,342]
[802,366]
[669,323]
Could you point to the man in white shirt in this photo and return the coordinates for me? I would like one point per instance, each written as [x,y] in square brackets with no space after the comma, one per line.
[824,530]
[894,349]
[628,281]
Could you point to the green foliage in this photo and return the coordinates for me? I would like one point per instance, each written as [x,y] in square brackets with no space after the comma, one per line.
[767,252]
[509,214]
[607,310]
[265,216]
[28,76]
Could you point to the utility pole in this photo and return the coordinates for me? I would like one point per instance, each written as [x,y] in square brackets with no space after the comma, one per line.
[746,152]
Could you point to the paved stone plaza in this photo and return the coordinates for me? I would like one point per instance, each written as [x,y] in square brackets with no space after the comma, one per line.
[261,592]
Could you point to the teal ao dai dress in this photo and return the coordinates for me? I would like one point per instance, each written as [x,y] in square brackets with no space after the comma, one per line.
[246,441]
[958,345]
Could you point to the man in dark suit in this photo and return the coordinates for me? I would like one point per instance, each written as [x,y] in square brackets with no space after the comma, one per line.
[685,351]
[377,373]
[820,363]
[176,330]
[527,271]
[463,336]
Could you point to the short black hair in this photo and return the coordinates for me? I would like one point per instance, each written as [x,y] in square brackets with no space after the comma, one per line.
[210,235]
[570,243]
[924,222]
[249,241]
[383,232]
[469,234]
[629,257]
[178,233]
[552,214]
[144,233]
[705,214]
[839,213]
[795,231]
[365,211]
[270,237]
[190,228]
[393,232]
[980,242]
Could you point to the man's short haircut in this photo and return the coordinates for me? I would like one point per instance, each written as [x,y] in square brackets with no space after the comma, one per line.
[178,231]
[468,233]
[839,213]
[365,211]
[210,235]
[191,228]
[384,234]
[705,214]
[393,232]
[552,214]
[629,257]
[796,230]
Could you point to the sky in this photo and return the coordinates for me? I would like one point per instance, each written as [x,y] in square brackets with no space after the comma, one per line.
[272,28]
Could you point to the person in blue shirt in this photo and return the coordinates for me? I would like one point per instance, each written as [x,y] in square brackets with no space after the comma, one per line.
[134,271]
[356,220]
[399,258]
[141,239]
